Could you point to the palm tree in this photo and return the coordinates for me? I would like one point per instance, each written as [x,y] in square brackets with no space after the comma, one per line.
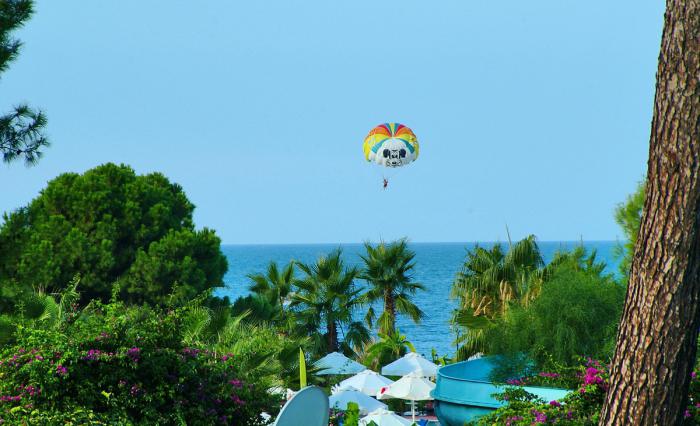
[489,282]
[274,283]
[270,296]
[326,299]
[387,270]
[578,259]
[38,310]
[388,348]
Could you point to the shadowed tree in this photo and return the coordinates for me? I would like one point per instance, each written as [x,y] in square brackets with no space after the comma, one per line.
[656,345]
[21,131]
[387,270]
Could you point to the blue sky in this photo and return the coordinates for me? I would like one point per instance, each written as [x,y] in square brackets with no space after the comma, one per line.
[533,115]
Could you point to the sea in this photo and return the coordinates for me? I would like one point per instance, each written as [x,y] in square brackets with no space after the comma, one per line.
[436,267]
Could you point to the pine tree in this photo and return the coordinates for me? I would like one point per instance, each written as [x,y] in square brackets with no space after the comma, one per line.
[656,345]
[21,131]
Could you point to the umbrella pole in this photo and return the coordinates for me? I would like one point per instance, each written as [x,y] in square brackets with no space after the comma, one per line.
[413,410]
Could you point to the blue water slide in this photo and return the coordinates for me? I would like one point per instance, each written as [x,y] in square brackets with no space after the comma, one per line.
[463,392]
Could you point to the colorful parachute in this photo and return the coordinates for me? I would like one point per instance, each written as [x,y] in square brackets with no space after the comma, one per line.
[391,145]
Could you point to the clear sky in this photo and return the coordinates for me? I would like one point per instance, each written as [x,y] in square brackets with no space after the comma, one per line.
[533,115]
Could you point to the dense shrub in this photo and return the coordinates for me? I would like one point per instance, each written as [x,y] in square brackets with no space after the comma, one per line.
[577,312]
[110,225]
[120,365]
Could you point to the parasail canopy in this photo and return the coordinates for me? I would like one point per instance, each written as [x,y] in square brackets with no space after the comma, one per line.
[391,145]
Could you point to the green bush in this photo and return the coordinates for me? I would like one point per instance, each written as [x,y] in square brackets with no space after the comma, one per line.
[109,225]
[577,312]
[111,364]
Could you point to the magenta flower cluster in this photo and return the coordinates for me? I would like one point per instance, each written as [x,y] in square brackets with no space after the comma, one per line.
[191,352]
[135,390]
[549,375]
[96,354]
[92,355]
[61,370]
[28,390]
[134,354]
[237,400]
[513,419]
[592,376]
[23,357]
[540,417]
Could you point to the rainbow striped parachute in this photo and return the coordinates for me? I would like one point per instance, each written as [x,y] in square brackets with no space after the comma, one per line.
[391,145]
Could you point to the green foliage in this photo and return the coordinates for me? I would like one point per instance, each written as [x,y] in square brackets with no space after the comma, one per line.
[112,364]
[324,302]
[110,226]
[275,284]
[629,215]
[271,293]
[577,312]
[21,131]
[352,414]
[580,407]
[489,282]
[387,349]
[387,270]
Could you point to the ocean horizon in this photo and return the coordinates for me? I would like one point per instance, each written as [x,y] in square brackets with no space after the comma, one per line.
[437,263]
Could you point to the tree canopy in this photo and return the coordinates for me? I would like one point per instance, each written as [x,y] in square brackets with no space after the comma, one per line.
[111,226]
[21,131]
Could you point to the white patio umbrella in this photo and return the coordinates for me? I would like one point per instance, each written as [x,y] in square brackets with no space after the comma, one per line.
[367,382]
[384,418]
[337,363]
[365,403]
[413,387]
[409,363]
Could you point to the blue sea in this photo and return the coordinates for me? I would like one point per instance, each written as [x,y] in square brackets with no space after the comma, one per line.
[436,266]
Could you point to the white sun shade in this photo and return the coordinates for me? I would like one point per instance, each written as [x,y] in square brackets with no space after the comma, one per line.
[365,403]
[410,363]
[413,387]
[337,363]
[384,418]
[367,382]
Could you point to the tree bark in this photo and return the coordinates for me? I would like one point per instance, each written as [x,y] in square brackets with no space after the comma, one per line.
[656,344]
[332,336]
[390,308]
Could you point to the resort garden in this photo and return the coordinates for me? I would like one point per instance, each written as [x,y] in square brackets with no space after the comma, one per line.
[108,314]
[109,310]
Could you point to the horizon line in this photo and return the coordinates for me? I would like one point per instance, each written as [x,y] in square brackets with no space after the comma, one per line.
[419,242]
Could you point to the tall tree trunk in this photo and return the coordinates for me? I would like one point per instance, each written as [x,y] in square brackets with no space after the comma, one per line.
[390,309]
[332,336]
[656,343]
